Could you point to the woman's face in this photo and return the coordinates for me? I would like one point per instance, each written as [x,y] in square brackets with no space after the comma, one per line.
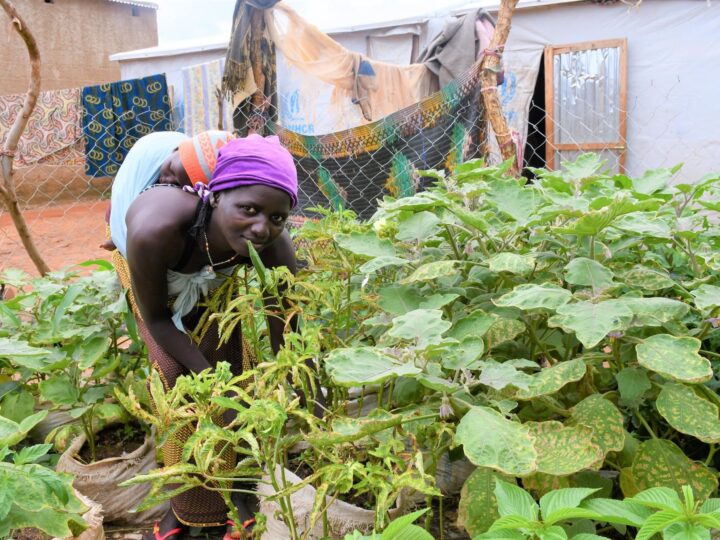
[173,172]
[255,213]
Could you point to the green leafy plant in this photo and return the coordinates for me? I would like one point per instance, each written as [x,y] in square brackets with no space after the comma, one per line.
[677,518]
[32,495]
[562,333]
[401,528]
[559,324]
[65,339]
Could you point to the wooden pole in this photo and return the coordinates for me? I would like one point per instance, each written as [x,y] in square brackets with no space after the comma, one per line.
[7,188]
[259,100]
[490,66]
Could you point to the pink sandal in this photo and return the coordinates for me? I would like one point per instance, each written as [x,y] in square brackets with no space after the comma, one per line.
[235,535]
[171,532]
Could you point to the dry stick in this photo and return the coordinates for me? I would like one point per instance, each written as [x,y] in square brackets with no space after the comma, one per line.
[488,83]
[7,188]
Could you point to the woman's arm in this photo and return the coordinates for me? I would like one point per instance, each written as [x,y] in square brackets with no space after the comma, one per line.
[148,253]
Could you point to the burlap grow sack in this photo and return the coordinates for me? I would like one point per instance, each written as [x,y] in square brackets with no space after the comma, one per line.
[99,481]
[343,518]
[94,519]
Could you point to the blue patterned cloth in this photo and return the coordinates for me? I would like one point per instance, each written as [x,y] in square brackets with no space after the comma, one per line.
[116,115]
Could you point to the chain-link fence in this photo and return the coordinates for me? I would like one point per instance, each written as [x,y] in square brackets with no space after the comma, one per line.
[65,208]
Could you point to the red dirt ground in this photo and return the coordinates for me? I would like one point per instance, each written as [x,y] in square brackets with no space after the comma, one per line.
[65,234]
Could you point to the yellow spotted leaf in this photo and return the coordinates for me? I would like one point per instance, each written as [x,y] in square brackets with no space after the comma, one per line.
[689,413]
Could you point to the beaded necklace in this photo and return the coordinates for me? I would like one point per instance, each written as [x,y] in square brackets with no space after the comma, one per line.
[207,250]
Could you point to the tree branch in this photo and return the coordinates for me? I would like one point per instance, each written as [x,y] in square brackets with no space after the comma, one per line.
[488,82]
[7,191]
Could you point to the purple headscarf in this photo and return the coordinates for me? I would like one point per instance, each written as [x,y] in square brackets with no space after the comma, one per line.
[255,160]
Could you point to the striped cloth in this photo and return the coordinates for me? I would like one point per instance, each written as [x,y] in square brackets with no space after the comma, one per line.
[201,85]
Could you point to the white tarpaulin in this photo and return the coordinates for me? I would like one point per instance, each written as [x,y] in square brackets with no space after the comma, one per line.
[673,55]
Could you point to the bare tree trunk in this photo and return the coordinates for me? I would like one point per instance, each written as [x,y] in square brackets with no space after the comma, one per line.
[490,67]
[7,188]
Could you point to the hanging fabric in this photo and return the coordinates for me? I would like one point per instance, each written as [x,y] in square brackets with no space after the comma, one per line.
[204,105]
[458,45]
[116,115]
[378,88]
[353,169]
[52,129]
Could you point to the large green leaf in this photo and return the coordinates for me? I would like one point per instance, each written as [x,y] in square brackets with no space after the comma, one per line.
[430,271]
[477,509]
[554,504]
[399,299]
[463,353]
[588,273]
[512,263]
[652,181]
[503,330]
[418,227]
[594,221]
[364,365]
[510,198]
[491,440]
[55,522]
[647,224]
[655,311]
[563,450]
[605,420]
[661,463]
[12,433]
[621,512]
[552,379]
[417,203]
[659,498]
[60,390]
[514,501]
[590,321]
[499,376]
[707,297]
[633,383]
[17,405]
[674,358]
[72,292]
[90,351]
[402,528]
[423,326]
[365,244]
[473,325]
[648,279]
[12,348]
[687,531]
[378,263]
[689,413]
[531,296]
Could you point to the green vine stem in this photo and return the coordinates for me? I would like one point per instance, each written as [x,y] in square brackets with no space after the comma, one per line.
[645,424]
[711,454]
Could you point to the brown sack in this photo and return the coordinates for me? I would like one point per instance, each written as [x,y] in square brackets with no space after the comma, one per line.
[99,481]
[343,518]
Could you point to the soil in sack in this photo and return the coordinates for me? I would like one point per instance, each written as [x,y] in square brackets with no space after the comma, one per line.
[99,480]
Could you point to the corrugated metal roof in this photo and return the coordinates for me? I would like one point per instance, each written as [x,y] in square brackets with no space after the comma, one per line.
[139,3]
[494,5]
[210,43]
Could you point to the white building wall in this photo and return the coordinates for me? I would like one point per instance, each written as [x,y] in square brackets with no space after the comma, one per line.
[673,66]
